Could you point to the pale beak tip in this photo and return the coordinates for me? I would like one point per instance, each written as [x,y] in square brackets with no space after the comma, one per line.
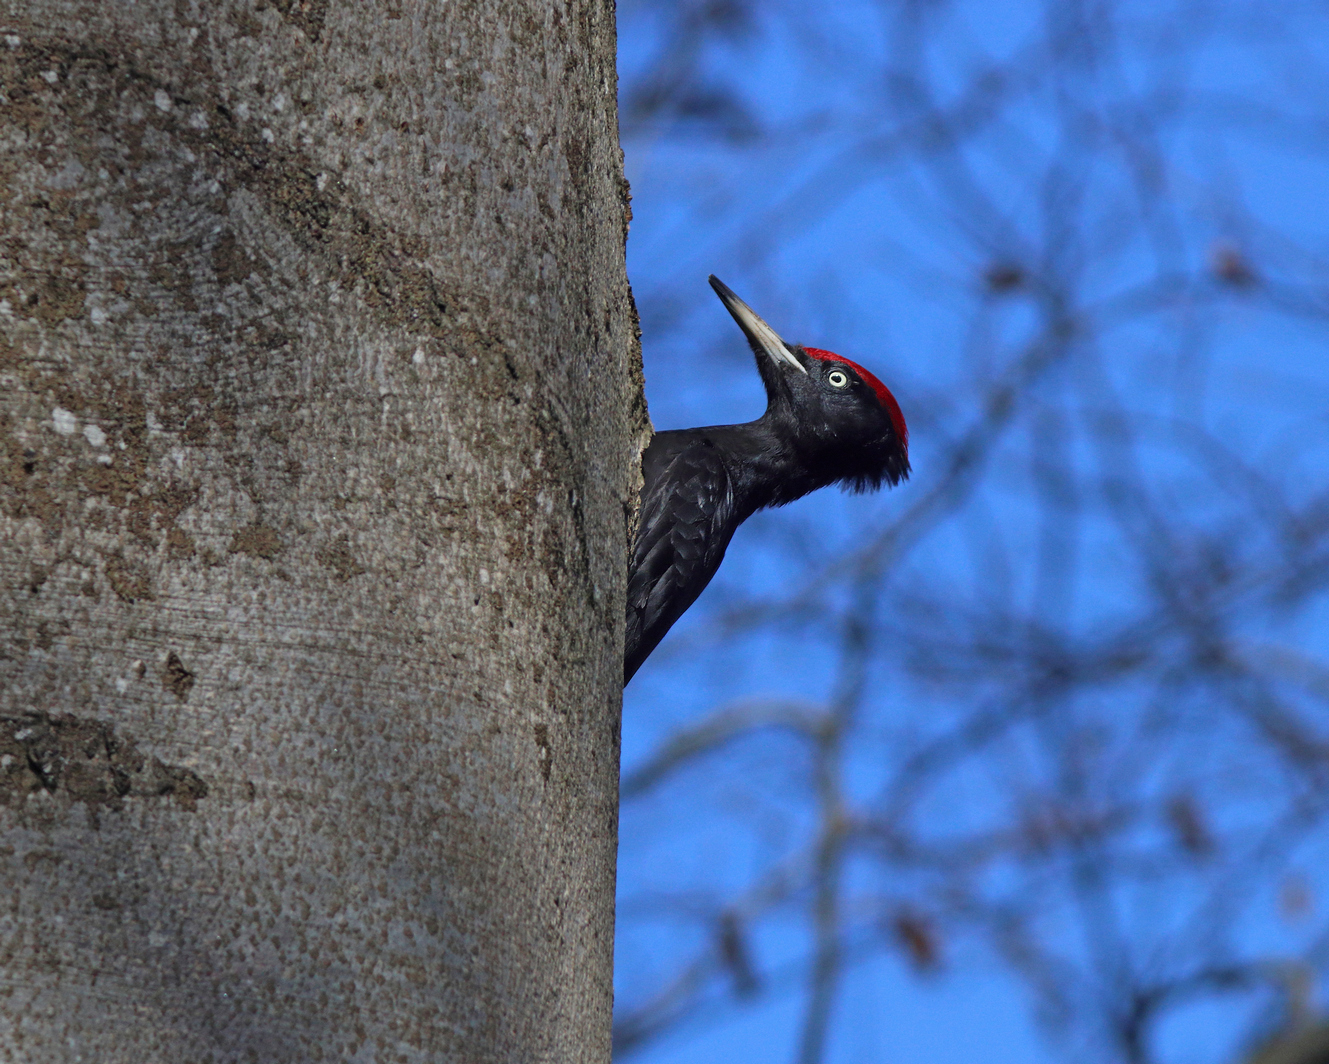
[753,326]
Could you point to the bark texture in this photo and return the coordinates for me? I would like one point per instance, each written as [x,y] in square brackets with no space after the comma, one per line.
[319,410]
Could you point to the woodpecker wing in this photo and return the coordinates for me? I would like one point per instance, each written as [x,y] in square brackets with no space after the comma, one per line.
[687,520]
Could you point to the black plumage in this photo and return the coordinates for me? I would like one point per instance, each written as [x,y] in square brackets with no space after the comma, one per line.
[827,421]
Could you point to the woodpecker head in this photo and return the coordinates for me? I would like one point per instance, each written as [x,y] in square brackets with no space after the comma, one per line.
[843,422]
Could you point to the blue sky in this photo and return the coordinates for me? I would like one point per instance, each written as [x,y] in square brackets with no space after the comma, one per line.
[1157,168]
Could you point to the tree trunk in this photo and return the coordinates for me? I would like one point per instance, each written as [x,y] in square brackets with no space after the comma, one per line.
[319,414]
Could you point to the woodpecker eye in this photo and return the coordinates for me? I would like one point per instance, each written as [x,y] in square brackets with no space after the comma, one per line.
[837,378]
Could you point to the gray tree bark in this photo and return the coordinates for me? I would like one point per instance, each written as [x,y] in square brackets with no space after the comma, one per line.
[320,408]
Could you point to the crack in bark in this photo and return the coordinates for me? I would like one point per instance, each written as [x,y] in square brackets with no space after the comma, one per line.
[86,760]
[176,678]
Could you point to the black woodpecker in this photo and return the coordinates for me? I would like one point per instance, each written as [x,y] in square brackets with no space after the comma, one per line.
[827,421]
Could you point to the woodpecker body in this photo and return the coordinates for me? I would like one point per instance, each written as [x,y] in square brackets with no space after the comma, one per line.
[827,421]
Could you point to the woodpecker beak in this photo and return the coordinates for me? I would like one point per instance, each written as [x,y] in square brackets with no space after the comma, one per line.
[756,330]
